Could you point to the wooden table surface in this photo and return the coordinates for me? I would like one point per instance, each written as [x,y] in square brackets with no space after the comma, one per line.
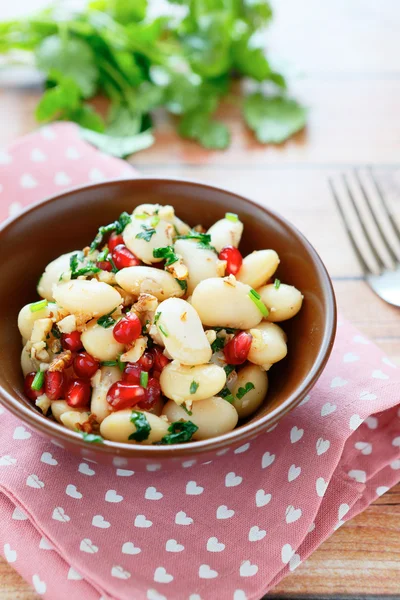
[345,61]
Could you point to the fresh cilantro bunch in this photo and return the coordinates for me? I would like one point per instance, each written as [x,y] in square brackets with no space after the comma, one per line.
[183,59]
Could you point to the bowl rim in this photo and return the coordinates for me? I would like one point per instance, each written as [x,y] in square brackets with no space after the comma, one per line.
[236,436]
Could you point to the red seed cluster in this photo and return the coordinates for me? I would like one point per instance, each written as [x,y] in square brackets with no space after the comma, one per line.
[233,259]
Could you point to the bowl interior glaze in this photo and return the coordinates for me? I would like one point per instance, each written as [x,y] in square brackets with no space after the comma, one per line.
[70,221]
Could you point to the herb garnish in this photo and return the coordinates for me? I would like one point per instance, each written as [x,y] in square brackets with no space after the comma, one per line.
[92,438]
[163,330]
[38,381]
[256,298]
[142,426]
[118,226]
[36,306]
[120,363]
[243,391]
[144,378]
[204,239]
[156,317]
[103,254]
[227,329]
[193,387]
[107,320]
[109,363]
[232,217]
[226,394]
[182,283]
[167,253]
[56,332]
[187,411]
[146,234]
[180,432]
[228,369]
[90,267]
[218,344]
[277,284]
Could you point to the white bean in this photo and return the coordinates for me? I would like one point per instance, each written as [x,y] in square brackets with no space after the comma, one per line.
[59,407]
[182,332]
[87,298]
[282,303]
[118,427]
[166,212]
[213,416]
[268,345]
[181,383]
[225,233]
[101,383]
[27,318]
[100,342]
[248,404]
[52,274]
[258,267]
[143,248]
[200,262]
[225,303]
[138,280]
[73,418]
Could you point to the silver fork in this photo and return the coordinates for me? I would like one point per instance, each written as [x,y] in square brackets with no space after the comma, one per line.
[385,282]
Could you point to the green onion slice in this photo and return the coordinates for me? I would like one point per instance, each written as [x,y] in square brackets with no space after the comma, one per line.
[256,298]
[232,217]
[36,306]
[38,381]
[144,379]
[277,284]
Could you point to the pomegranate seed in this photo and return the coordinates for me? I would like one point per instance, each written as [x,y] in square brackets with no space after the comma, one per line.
[78,393]
[115,240]
[123,257]
[54,383]
[128,329]
[237,350]
[104,265]
[152,394]
[124,395]
[146,361]
[71,341]
[32,394]
[85,365]
[233,259]
[156,374]
[160,361]
[131,373]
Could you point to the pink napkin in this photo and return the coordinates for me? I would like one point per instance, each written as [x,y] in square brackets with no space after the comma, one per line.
[228,529]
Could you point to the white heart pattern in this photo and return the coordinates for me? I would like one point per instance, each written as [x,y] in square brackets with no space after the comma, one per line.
[365,395]
[72,153]
[388,362]
[173,546]
[119,572]
[338,382]
[85,469]
[10,555]
[321,486]
[130,548]
[61,178]
[242,449]
[7,460]
[322,446]
[60,515]
[27,181]
[223,512]
[296,434]
[44,544]
[328,409]
[100,522]
[37,155]
[213,545]
[355,422]
[124,473]
[161,576]
[343,510]
[350,357]
[206,572]
[47,459]
[382,489]
[181,518]
[378,374]
[39,585]
[232,480]
[5,158]
[112,496]
[152,494]
[188,463]
[267,460]
[395,465]
[294,562]
[192,489]
[239,595]
[396,442]
[87,546]
[154,595]
[73,492]
[294,472]
[96,175]
[359,339]
[20,433]
[73,575]
[286,553]
[14,208]
[365,447]
[19,515]
[262,498]
[247,569]
[293,514]
[141,521]
[153,467]
[256,534]
[372,422]
[358,475]
[33,481]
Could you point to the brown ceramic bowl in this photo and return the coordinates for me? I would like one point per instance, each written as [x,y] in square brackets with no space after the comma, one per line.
[63,223]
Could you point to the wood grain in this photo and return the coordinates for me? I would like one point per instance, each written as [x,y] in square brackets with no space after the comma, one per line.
[344,61]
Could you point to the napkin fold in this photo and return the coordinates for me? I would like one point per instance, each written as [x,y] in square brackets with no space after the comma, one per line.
[227,529]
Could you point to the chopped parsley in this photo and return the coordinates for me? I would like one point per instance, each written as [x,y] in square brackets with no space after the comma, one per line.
[90,267]
[36,306]
[228,369]
[56,332]
[193,387]
[227,329]
[118,226]
[204,239]
[107,321]
[182,283]
[144,327]
[232,217]
[187,411]
[103,255]
[218,344]
[92,438]
[226,394]
[243,391]
[146,234]
[167,253]
[142,426]
[277,284]
[38,381]
[144,378]
[156,317]
[163,330]
[123,220]
[256,298]
[180,432]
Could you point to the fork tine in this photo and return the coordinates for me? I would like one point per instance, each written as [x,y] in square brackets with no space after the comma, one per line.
[353,242]
[363,227]
[375,219]
[384,204]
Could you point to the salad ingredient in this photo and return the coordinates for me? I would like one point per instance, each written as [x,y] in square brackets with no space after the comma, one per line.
[233,259]
[128,329]
[101,382]
[237,349]
[54,383]
[138,280]
[225,232]
[85,365]
[86,297]
[258,267]
[100,342]
[123,257]
[125,395]
[180,382]
[252,396]
[78,393]
[283,302]
[71,341]
[118,427]
[268,345]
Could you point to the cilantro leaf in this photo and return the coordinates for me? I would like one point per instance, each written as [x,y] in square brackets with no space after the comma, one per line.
[213,135]
[167,253]
[180,432]
[218,344]
[117,145]
[107,320]
[273,119]
[92,438]
[146,234]
[58,100]
[194,387]
[243,391]
[142,425]
[226,394]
